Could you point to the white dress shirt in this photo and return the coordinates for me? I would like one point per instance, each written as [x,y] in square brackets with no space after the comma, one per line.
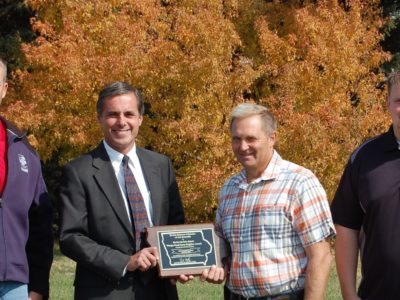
[134,164]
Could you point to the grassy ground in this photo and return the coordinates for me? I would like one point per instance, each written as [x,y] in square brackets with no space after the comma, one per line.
[62,274]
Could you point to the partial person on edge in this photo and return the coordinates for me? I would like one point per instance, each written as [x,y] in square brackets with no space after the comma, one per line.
[275,216]
[366,212]
[26,237]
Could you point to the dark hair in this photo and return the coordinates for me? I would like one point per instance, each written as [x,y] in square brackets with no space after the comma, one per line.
[115,89]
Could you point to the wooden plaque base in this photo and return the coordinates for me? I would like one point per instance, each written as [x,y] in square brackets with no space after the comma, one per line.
[186,249]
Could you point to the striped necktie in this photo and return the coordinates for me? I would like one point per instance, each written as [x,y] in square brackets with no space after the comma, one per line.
[136,202]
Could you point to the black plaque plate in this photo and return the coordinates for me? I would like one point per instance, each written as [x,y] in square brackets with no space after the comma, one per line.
[186,249]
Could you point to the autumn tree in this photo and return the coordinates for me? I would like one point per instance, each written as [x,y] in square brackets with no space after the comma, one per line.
[320,75]
[391,41]
[313,63]
[14,30]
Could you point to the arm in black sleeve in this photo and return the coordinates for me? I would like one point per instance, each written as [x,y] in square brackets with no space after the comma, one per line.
[39,247]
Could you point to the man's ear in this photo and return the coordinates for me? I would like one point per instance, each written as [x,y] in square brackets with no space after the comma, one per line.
[140,120]
[273,137]
[4,91]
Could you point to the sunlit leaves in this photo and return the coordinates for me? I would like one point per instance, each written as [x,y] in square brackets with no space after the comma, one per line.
[314,65]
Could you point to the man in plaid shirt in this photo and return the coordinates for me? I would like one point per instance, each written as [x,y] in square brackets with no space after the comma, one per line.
[275,216]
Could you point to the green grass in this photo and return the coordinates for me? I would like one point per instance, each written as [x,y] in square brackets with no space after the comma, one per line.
[62,275]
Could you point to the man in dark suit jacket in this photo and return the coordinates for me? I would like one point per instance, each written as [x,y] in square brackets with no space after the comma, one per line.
[97,221]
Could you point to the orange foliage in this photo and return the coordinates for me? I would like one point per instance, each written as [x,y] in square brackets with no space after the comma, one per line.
[324,59]
[194,60]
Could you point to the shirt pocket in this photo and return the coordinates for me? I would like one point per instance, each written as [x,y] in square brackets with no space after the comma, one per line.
[274,223]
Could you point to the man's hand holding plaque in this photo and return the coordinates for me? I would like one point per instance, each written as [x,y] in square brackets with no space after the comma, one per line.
[181,278]
[143,260]
[215,274]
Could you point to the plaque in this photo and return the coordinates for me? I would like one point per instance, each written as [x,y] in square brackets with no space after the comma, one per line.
[186,249]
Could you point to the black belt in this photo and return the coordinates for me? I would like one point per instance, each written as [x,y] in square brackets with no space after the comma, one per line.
[297,295]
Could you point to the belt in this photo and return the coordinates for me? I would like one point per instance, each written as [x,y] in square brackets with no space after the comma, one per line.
[296,295]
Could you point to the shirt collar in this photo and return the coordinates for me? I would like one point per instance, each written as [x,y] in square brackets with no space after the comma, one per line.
[117,157]
[270,172]
[390,140]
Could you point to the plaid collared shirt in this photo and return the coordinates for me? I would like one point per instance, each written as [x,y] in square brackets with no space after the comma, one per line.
[268,223]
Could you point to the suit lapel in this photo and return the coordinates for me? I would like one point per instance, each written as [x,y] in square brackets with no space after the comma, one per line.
[152,175]
[105,177]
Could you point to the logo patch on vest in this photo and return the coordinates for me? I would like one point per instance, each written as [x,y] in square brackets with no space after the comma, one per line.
[24,164]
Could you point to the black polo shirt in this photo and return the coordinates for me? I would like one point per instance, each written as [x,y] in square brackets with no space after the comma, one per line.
[368,199]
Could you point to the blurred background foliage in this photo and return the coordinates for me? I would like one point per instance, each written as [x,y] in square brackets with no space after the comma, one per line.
[318,65]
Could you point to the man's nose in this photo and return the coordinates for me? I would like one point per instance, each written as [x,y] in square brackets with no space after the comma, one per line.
[121,121]
[243,146]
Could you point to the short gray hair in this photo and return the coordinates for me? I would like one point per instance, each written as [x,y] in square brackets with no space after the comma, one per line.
[3,66]
[393,78]
[245,110]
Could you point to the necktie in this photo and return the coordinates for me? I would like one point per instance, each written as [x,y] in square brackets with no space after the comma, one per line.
[136,202]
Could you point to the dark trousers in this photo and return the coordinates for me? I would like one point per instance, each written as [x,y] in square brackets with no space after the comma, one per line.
[297,295]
